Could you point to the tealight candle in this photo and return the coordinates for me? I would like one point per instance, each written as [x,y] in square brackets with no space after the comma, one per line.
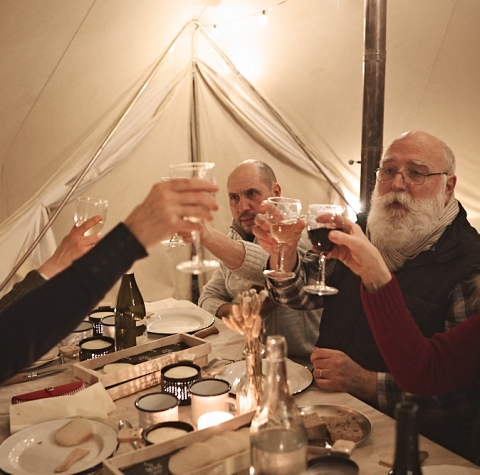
[177,377]
[94,347]
[95,344]
[210,419]
[181,372]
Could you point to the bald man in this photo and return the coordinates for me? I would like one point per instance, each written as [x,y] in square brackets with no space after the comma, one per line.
[243,261]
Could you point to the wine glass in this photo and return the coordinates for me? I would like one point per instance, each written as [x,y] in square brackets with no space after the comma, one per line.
[204,170]
[321,219]
[175,240]
[283,215]
[87,207]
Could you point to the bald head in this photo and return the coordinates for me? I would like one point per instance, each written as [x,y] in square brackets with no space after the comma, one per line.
[261,169]
[426,145]
[248,185]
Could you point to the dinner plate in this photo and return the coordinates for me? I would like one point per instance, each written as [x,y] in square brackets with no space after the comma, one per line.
[449,470]
[299,377]
[34,450]
[171,321]
[48,357]
[339,411]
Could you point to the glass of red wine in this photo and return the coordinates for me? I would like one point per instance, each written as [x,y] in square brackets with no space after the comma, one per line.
[283,215]
[321,219]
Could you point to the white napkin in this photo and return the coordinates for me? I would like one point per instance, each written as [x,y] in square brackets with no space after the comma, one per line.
[168,303]
[91,403]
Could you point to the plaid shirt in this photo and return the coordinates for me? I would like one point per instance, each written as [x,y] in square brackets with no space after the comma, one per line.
[461,306]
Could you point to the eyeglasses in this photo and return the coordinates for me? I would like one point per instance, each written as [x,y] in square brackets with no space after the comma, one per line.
[409,175]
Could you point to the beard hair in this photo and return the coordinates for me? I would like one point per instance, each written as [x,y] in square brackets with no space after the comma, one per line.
[394,229]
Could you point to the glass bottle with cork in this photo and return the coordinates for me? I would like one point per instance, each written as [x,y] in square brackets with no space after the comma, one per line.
[277,435]
[130,321]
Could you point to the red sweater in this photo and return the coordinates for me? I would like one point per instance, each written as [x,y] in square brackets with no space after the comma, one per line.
[426,366]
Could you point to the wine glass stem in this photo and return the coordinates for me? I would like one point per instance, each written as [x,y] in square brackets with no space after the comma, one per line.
[197,248]
[281,258]
[321,270]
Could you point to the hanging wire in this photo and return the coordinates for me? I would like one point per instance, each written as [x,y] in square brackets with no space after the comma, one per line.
[260,12]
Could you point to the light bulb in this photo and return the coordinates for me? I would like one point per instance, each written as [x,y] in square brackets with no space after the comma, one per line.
[263,19]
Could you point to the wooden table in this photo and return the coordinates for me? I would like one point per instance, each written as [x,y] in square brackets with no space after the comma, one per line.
[379,447]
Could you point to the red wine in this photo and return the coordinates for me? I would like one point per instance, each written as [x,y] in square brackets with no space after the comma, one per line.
[319,238]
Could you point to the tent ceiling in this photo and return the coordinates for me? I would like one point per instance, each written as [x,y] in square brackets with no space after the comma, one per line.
[65,64]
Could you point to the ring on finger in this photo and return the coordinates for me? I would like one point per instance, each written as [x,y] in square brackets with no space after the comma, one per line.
[320,374]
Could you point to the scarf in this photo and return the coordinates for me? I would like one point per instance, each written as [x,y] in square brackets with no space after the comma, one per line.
[396,258]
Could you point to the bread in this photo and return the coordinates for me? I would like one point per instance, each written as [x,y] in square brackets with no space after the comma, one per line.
[322,429]
[214,449]
[316,429]
[345,427]
[74,432]
[239,440]
[191,458]
[222,446]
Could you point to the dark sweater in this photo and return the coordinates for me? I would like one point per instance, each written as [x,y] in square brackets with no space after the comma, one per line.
[37,321]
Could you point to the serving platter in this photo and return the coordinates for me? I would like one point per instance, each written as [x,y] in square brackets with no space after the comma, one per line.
[299,377]
[332,410]
[171,321]
[34,450]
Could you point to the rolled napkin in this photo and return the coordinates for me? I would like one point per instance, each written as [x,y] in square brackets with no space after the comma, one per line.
[91,403]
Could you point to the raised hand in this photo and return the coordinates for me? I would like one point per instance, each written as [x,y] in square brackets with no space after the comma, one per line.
[74,245]
[354,249]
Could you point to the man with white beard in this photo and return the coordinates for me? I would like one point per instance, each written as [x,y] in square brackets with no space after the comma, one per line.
[423,234]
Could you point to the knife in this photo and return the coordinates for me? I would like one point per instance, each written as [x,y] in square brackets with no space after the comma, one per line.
[23,377]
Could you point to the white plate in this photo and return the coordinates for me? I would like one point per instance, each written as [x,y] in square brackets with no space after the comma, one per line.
[448,470]
[299,377]
[171,321]
[48,357]
[34,450]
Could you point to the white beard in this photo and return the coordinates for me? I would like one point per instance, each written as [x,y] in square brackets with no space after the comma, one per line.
[395,229]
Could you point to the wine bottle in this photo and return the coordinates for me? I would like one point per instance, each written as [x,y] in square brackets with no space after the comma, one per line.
[406,461]
[130,324]
[277,434]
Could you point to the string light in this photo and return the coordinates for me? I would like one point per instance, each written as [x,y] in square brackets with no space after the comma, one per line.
[263,19]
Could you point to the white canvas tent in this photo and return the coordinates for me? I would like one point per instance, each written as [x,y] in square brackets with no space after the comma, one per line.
[71,68]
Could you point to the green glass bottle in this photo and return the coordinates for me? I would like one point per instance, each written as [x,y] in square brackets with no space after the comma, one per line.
[130,321]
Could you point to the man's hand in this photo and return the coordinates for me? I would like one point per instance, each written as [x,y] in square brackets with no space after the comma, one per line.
[73,246]
[354,249]
[262,232]
[333,370]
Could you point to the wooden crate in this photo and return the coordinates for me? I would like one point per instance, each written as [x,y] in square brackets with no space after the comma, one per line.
[140,376]
[150,458]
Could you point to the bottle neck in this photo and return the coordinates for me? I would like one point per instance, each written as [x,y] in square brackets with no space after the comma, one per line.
[406,447]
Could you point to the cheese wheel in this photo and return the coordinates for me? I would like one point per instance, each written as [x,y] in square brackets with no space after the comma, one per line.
[74,432]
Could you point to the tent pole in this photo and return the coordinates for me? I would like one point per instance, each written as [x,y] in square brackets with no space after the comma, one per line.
[92,161]
[373,96]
